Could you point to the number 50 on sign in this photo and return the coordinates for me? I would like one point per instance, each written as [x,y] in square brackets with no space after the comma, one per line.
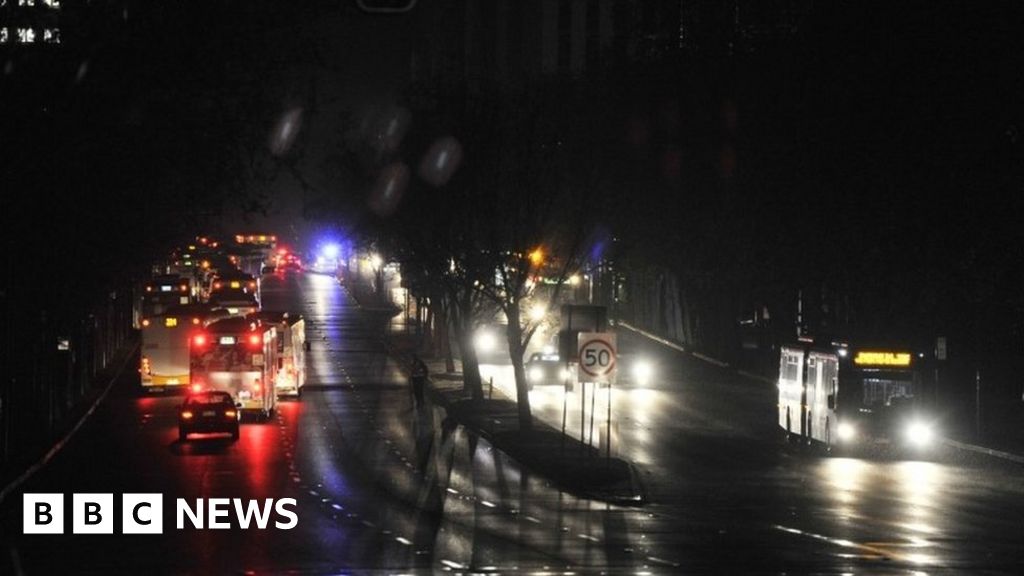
[597,357]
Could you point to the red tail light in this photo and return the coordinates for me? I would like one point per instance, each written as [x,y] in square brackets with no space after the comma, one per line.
[199,340]
[186,415]
[195,321]
[217,285]
[183,287]
[149,288]
[231,413]
[255,339]
[145,322]
[197,387]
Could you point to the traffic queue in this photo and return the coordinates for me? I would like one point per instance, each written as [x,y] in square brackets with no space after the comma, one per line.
[204,331]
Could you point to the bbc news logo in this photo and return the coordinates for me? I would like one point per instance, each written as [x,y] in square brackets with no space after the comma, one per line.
[144,514]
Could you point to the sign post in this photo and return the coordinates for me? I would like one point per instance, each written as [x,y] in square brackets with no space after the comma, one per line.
[598,363]
[597,353]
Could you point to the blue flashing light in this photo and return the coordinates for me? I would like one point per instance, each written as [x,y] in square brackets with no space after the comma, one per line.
[330,251]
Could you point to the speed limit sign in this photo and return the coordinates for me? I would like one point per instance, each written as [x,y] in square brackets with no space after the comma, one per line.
[597,357]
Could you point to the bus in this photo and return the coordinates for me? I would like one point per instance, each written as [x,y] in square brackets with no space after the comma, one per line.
[164,291]
[291,349]
[164,360]
[808,383]
[854,399]
[239,356]
[883,400]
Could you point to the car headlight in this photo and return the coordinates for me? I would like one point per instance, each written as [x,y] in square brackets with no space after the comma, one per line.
[484,342]
[535,374]
[642,372]
[846,432]
[919,434]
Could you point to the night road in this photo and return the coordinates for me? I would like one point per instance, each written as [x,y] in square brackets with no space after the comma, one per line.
[381,487]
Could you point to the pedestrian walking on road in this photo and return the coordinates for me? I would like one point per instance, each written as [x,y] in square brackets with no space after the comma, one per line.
[418,378]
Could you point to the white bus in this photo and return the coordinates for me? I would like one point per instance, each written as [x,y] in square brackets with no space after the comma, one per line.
[291,349]
[239,356]
[808,384]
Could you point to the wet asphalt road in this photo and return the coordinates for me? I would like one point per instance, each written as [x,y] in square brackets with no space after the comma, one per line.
[384,488]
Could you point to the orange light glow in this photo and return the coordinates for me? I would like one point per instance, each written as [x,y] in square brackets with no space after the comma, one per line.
[882,359]
[537,257]
[145,322]
[186,415]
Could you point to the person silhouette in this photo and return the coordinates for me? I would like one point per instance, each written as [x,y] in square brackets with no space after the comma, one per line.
[418,378]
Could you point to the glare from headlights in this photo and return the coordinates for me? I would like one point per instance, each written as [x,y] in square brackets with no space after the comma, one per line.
[484,342]
[846,432]
[919,434]
[642,372]
[535,374]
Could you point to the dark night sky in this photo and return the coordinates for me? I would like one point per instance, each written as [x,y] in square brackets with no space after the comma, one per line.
[888,130]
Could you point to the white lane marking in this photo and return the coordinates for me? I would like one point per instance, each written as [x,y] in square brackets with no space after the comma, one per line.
[876,549]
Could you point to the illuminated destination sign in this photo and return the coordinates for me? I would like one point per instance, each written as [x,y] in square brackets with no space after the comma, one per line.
[882,359]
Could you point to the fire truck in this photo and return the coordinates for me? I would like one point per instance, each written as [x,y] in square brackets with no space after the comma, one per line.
[291,350]
[855,398]
[239,356]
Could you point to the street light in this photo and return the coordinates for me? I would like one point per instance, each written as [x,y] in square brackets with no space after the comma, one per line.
[537,256]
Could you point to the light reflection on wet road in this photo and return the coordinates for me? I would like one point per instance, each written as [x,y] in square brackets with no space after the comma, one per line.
[381,486]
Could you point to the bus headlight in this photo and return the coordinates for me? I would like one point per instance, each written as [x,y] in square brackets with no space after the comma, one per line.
[920,434]
[846,432]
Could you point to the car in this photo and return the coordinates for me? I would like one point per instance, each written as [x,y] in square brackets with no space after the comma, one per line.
[292,266]
[547,369]
[268,269]
[236,303]
[208,412]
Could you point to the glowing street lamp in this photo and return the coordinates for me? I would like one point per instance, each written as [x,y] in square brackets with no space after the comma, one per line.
[537,257]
